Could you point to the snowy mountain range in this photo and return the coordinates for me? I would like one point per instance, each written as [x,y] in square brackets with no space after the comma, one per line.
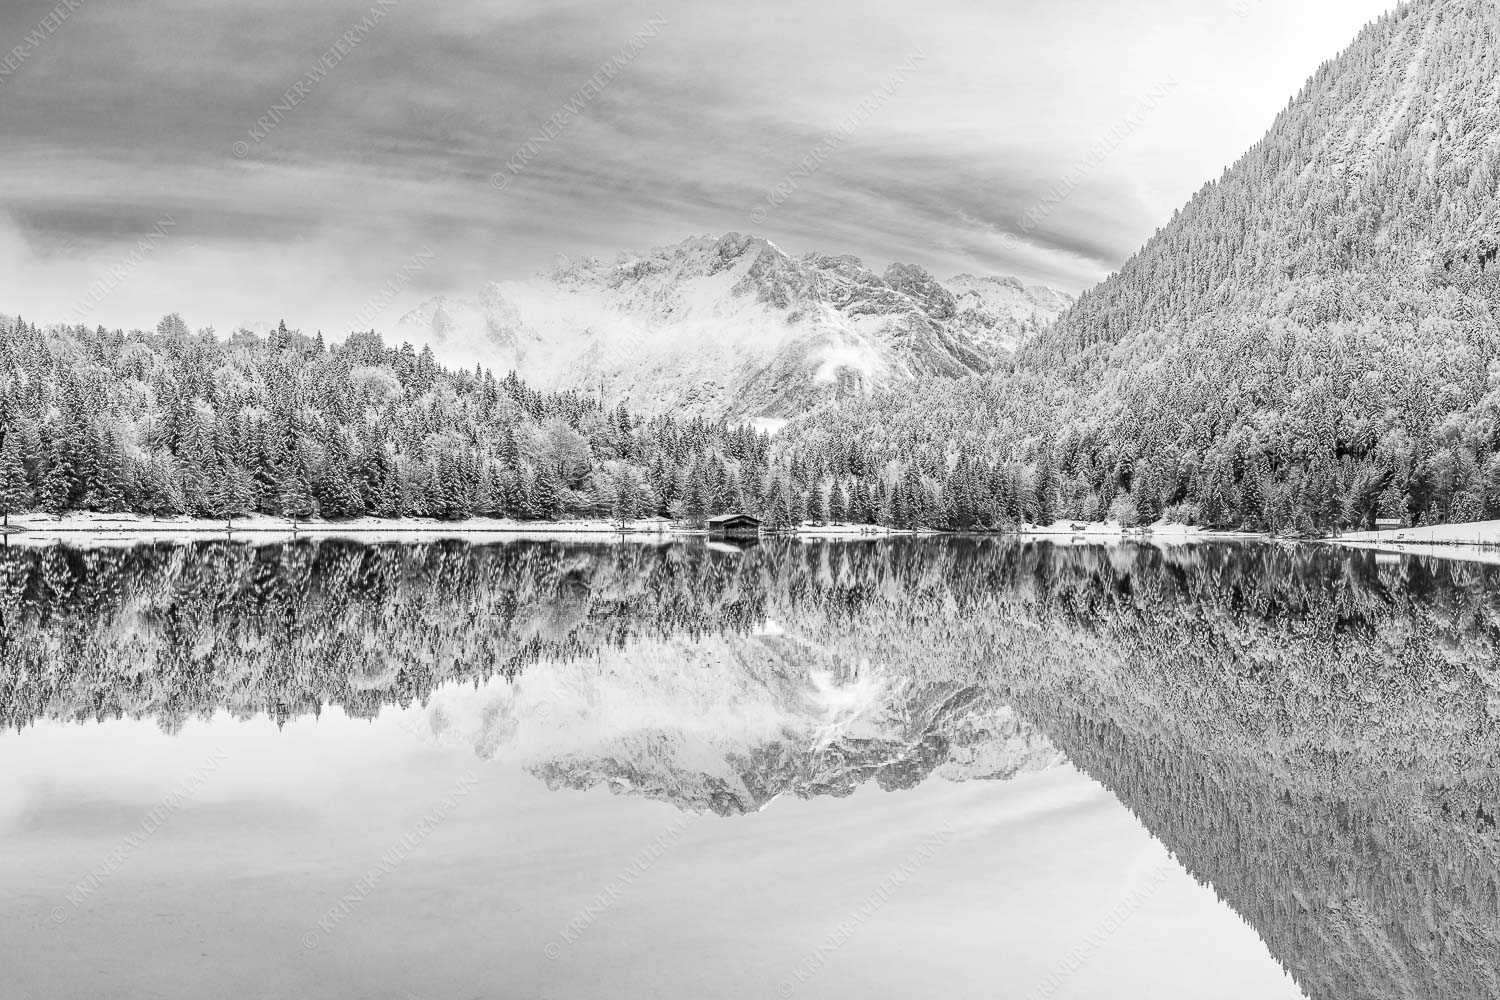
[733,327]
[727,724]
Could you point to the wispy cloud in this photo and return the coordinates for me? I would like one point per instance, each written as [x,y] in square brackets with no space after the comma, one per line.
[120,115]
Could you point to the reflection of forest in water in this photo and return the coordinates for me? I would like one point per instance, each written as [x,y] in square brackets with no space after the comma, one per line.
[1313,732]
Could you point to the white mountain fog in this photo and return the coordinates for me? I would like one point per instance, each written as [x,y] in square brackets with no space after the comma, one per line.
[733,327]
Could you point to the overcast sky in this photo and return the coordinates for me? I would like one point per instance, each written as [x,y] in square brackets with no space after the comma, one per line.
[145,166]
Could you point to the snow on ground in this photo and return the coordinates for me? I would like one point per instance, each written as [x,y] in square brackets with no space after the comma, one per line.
[1074,528]
[132,528]
[1478,541]
[97,527]
[1476,533]
[768,425]
[1160,531]
[855,530]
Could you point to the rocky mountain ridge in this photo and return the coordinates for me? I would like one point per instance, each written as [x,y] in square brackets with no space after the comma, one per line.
[734,327]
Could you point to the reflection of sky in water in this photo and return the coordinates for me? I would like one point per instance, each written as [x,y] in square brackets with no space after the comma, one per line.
[278,826]
[1311,731]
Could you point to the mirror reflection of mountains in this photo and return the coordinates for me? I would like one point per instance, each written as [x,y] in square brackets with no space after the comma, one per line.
[1313,732]
[661,670]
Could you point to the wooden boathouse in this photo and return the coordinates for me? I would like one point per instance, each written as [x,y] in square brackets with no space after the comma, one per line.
[734,526]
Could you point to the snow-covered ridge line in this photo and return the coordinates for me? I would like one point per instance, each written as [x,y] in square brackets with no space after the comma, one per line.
[733,327]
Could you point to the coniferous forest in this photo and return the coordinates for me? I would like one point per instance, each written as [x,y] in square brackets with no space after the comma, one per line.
[176,422]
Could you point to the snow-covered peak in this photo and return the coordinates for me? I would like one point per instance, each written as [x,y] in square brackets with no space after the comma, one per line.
[726,326]
[1001,312]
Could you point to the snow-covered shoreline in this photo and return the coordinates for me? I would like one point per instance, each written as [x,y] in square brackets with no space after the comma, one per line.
[96,528]
[1160,533]
[1478,535]
[86,526]
[1473,533]
[1477,541]
[93,527]
[92,523]
[1456,551]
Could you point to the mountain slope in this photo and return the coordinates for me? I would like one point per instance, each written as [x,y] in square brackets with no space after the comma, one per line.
[733,327]
[1310,343]
[1372,192]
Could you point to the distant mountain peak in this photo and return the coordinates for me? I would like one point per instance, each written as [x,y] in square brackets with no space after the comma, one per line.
[732,326]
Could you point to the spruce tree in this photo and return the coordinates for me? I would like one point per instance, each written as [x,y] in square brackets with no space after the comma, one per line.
[296,496]
[838,503]
[776,516]
[1046,486]
[627,497]
[15,491]
[57,484]
[695,496]
[546,494]
[862,508]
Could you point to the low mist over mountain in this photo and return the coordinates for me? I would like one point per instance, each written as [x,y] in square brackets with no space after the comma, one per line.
[734,327]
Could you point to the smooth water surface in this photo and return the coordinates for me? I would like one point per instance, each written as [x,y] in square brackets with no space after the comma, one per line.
[828,769]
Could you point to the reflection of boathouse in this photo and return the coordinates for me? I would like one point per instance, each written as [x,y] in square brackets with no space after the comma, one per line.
[734,546]
[734,526]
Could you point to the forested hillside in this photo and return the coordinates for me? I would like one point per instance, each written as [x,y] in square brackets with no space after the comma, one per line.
[1373,193]
[173,422]
[1311,342]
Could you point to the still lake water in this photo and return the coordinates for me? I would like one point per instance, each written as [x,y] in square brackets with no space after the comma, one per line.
[967,768]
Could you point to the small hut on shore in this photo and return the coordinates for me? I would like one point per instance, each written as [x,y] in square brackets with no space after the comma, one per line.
[734,526]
